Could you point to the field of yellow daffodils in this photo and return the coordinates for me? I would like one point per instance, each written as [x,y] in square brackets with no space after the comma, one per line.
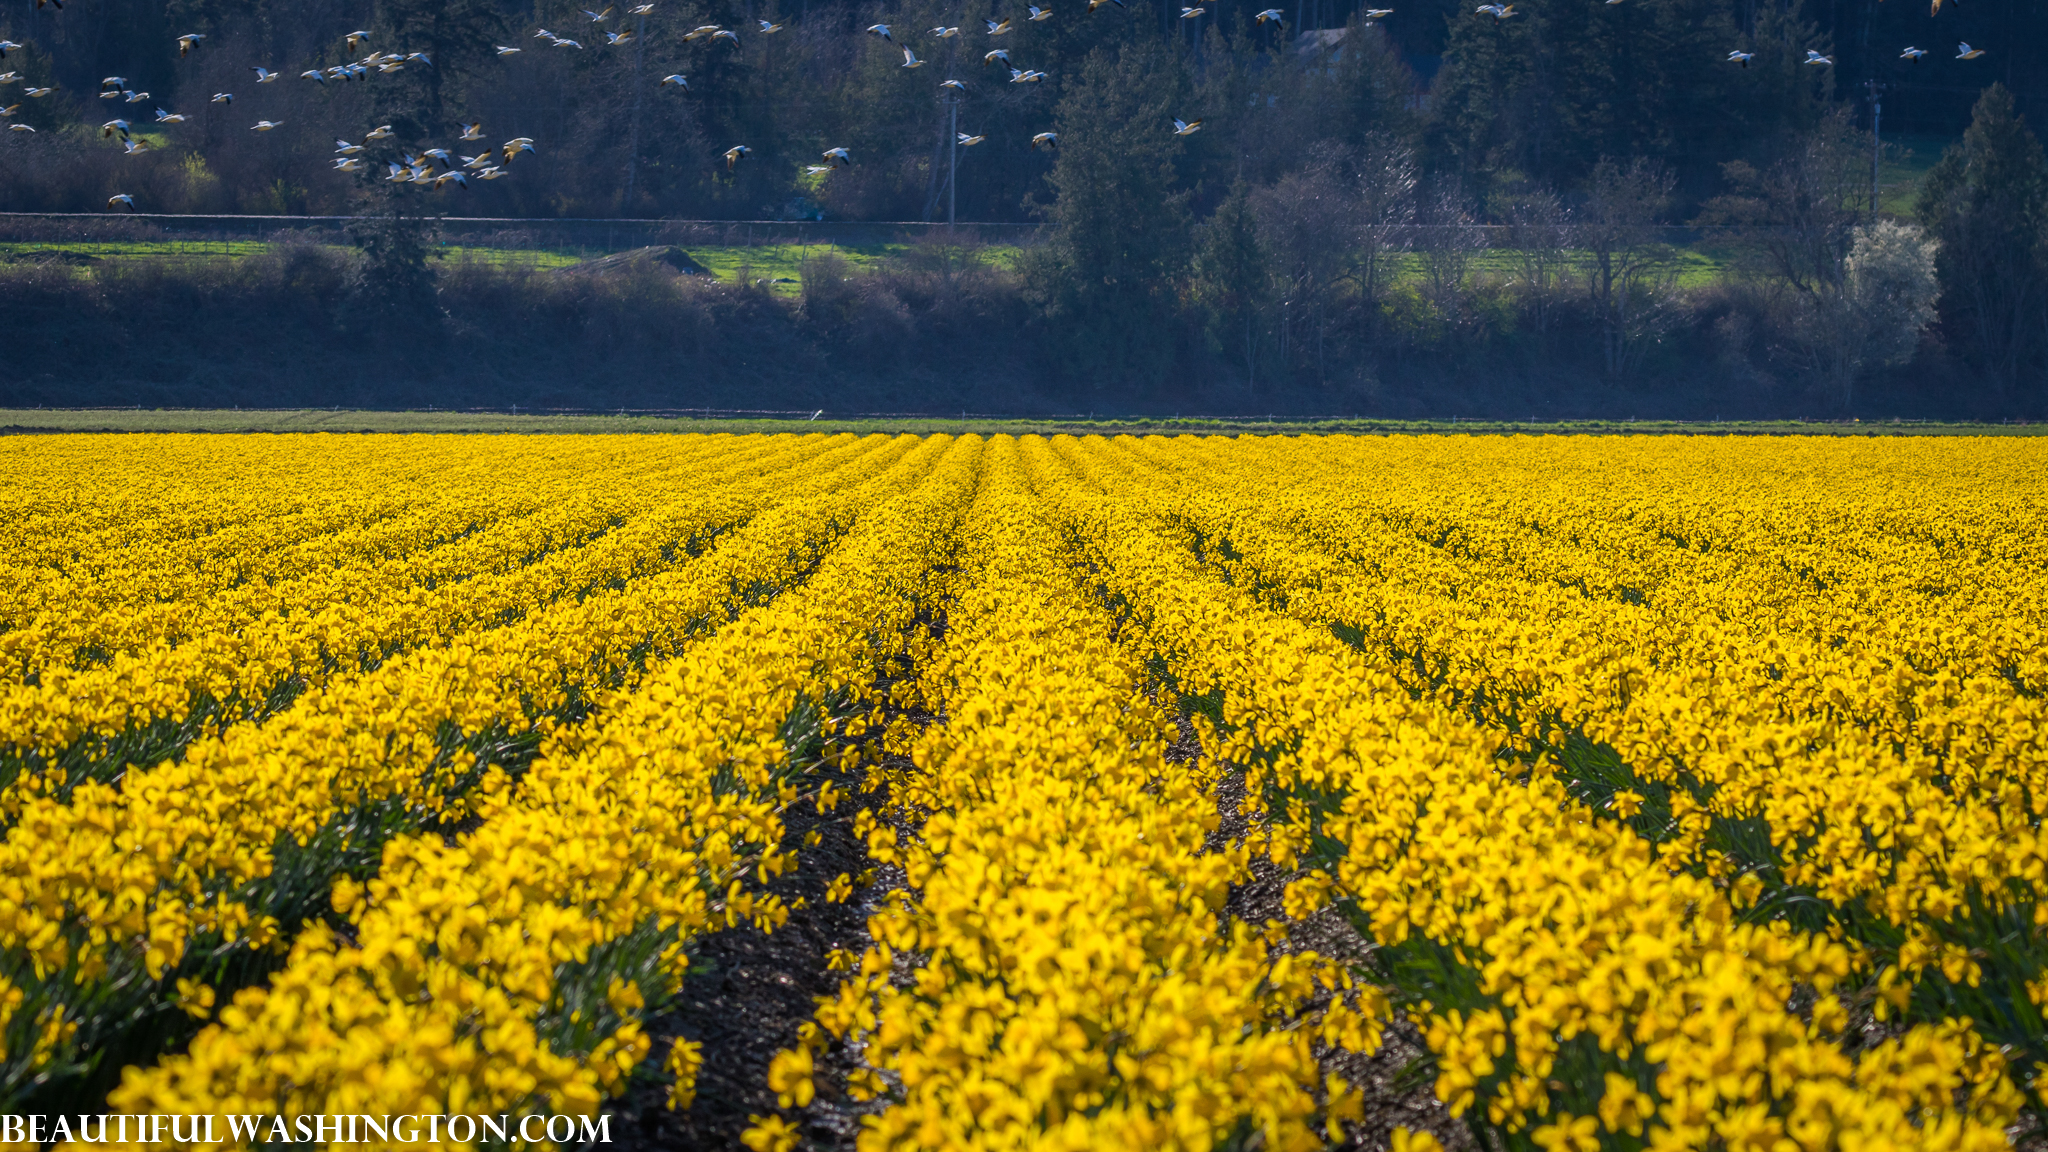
[1675,792]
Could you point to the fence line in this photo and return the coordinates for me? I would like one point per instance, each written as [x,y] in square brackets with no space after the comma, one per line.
[640,220]
[86,237]
[595,236]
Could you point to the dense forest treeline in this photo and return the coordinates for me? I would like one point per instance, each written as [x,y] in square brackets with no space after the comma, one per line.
[1313,248]
[1538,97]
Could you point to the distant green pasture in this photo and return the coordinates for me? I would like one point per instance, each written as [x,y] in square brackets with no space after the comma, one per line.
[1694,267]
[1905,163]
[781,265]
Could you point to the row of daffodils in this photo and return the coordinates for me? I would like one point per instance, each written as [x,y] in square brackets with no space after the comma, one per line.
[1681,793]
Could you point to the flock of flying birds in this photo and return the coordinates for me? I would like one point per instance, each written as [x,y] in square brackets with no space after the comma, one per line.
[1910,55]
[439,167]
[436,167]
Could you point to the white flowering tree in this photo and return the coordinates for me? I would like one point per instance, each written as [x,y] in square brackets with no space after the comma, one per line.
[1884,299]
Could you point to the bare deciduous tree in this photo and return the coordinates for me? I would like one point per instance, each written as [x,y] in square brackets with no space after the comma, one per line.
[1539,232]
[1798,214]
[1305,227]
[1386,206]
[1627,270]
[1444,239]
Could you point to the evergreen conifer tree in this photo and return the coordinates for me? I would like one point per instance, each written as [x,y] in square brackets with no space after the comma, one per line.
[1108,275]
[1986,204]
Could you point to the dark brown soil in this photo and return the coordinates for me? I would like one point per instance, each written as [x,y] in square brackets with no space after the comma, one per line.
[749,992]
[1392,1099]
[746,996]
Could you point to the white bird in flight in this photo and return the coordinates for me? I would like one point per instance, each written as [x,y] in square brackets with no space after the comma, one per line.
[734,154]
[997,27]
[1037,14]
[966,141]
[1965,52]
[1045,139]
[1813,57]
[189,41]
[264,75]
[943,32]
[222,98]
[121,198]
[841,155]
[265,125]
[910,59]
[1186,127]
[504,51]
[768,29]
[678,79]
[881,30]
[1740,57]
[1913,54]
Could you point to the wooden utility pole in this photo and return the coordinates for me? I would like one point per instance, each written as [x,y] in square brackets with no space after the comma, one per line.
[953,158]
[633,135]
